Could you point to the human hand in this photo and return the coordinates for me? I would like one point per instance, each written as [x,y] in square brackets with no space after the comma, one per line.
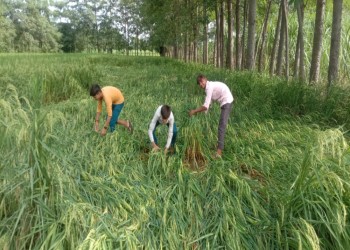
[191,113]
[96,126]
[165,151]
[103,132]
[155,147]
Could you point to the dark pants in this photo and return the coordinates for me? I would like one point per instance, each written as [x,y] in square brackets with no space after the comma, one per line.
[225,114]
[116,109]
[173,140]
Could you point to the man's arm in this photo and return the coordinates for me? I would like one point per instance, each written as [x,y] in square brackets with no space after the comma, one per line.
[97,118]
[152,125]
[151,128]
[108,102]
[205,106]
[197,110]
[108,120]
[170,133]
[105,127]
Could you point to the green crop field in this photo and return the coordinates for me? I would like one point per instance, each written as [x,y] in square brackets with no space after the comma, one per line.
[283,182]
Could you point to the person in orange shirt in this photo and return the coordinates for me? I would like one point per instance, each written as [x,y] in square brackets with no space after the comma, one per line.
[114,101]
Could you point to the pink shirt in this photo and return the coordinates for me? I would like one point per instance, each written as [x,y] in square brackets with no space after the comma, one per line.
[217,91]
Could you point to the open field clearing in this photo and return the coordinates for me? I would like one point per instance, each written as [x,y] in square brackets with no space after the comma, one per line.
[283,182]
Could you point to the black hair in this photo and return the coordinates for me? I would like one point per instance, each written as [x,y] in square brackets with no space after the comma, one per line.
[165,111]
[95,88]
[200,77]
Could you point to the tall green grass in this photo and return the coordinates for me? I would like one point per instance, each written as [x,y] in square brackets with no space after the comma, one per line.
[283,182]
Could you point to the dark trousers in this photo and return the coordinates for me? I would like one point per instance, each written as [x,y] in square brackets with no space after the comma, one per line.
[225,114]
[116,109]
[173,140]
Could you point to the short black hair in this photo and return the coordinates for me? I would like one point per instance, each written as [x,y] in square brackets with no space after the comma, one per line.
[165,111]
[200,77]
[95,88]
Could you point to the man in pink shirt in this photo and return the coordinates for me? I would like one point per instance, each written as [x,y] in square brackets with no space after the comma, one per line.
[216,91]
[114,100]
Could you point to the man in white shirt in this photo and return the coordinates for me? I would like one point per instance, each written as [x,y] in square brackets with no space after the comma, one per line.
[216,91]
[163,115]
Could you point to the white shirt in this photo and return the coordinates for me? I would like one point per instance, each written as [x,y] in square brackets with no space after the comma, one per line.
[217,91]
[158,118]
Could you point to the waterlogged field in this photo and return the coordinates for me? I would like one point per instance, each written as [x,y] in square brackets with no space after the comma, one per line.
[283,182]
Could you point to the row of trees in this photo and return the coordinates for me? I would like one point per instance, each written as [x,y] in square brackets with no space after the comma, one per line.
[25,26]
[103,25]
[71,26]
[265,35]
[282,37]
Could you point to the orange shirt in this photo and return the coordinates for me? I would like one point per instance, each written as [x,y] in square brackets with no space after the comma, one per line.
[111,95]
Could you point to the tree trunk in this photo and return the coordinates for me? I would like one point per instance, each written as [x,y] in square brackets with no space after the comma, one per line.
[238,37]
[96,30]
[176,50]
[205,33]
[263,35]
[229,60]
[218,43]
[282,41]
[245,14]
[286,38]
[194,16]
[137,42]
[297,57]
[251,35]
[222,37]
[317,42]
[185,57]
[276,42]
[302,74]
[162,50]
[177,39]
[335,42]
[299,66]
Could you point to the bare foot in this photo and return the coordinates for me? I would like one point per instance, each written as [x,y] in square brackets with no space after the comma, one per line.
[218,154]
[130,127]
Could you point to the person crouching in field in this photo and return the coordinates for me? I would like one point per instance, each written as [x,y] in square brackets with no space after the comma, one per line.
[216,91]
[163,115]
[114,101]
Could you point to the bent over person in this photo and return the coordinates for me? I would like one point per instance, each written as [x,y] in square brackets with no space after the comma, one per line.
[216,91]
[114,100]
[163,115]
